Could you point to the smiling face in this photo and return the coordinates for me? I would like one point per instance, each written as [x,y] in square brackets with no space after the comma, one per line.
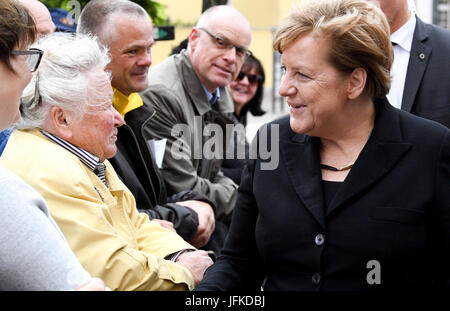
[242,91]
[216,67]
[96,131]
[314,89]
[130,53]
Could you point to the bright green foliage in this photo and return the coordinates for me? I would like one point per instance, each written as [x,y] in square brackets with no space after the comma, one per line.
[156,10]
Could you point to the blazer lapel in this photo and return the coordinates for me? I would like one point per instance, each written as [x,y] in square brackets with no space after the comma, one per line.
[382,151]
[302,162]
[418,61]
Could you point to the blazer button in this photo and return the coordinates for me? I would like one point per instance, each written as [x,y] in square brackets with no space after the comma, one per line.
[316,279]
[319,239]
[422,56]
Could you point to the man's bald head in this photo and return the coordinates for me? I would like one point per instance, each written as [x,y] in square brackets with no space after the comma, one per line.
[41,16]
[223,12]
[218,46]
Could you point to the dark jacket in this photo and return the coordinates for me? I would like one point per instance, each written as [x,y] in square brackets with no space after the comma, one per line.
[427,86]
[134,164]
[237,152]
[393,207]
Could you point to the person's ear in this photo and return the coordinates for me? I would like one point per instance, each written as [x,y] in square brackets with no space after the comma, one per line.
[60,121]
[356,83]
[193,38]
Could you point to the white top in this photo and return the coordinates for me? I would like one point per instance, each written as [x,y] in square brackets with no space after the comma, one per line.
[403,37]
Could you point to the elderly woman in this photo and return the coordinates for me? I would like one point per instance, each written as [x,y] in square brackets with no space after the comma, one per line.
[67,130]
[34,254]
[360,199]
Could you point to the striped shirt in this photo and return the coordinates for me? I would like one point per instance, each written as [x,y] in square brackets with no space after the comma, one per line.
[88,159]
[98,168]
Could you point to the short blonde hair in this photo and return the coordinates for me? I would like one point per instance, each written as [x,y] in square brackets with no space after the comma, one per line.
[358,32]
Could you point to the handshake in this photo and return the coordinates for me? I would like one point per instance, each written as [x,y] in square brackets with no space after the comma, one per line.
[196,262]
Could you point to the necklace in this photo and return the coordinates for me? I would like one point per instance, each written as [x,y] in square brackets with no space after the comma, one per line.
[337,169]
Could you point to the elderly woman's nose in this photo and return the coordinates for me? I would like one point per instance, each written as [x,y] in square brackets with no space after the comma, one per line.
[118,119]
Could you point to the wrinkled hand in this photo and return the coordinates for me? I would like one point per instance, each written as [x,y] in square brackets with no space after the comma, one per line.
[164,223]
[196,262]
[94,284]
[206,221]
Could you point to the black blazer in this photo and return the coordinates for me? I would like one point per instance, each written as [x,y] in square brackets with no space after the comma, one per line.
[427,84]
[394,207]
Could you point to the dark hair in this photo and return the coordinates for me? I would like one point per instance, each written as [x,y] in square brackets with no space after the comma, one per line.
[17,28]
[254,105]
[180,47]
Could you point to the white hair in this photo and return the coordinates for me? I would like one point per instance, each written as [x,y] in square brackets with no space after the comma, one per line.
[65,77]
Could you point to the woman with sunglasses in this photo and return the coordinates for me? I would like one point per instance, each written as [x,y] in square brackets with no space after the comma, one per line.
[247,92]
[34,254]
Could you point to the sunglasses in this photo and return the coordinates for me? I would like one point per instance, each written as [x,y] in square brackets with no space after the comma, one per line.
[251,78]
[33,57]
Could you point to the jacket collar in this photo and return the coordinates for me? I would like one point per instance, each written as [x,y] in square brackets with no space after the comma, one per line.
[418,62]
[383,150]
[194,90]
[124,104]
[139,117]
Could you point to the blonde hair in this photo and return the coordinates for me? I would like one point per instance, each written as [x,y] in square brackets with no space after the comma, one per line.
[358,33]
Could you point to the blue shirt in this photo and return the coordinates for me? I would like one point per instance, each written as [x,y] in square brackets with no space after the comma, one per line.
[212,97]
[4,136]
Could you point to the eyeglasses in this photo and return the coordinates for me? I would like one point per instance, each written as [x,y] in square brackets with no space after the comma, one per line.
[36,100]
[33,59]
[251,78]
[225,44]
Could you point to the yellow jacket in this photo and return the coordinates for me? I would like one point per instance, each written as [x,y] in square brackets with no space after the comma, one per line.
[109,236]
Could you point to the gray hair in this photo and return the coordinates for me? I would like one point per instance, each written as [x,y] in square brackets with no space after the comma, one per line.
[63,79]
[96,14]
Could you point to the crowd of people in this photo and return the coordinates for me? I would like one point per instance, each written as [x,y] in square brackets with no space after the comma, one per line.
[119,175]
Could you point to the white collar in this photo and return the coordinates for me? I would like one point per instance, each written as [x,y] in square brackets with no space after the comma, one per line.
[404,35]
